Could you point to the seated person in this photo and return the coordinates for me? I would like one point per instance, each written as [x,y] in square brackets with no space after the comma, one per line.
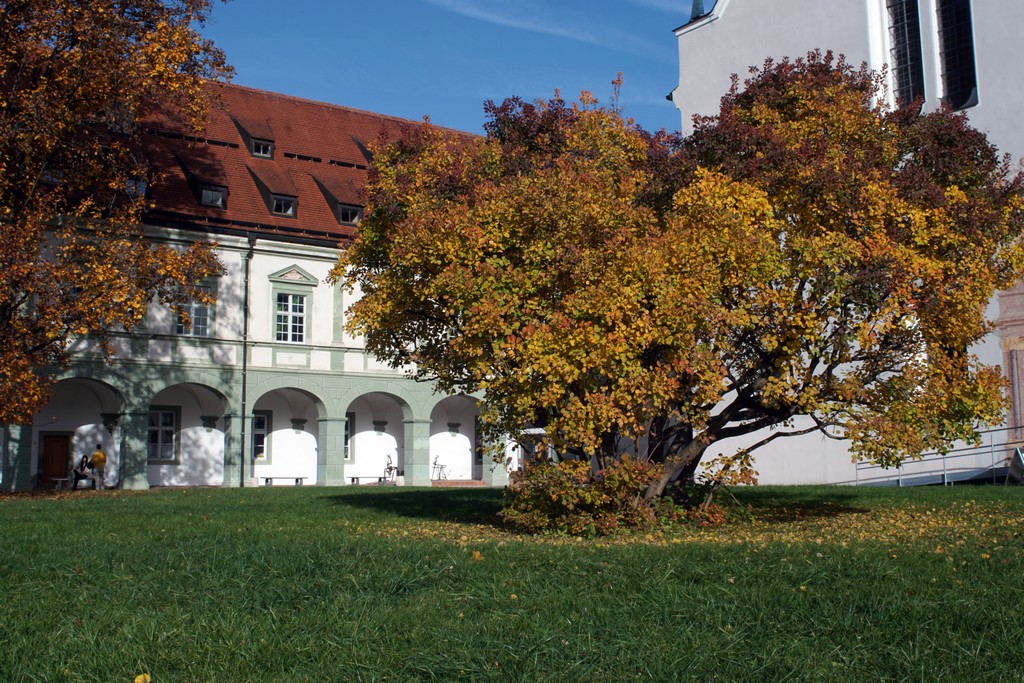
[80,472]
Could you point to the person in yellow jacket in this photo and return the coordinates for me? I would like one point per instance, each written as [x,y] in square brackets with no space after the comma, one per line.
[98,462]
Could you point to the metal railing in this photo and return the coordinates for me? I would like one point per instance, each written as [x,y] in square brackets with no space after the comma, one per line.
[952,466]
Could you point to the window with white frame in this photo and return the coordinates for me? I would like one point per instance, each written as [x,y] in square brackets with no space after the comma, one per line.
[163,433]
[194,317]
[213,195]
[283,205]
[261,435]
[292,290]
[349,214]
[262,148]
[290,318]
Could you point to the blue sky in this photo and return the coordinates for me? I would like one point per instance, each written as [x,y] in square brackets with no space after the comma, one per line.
[443,58]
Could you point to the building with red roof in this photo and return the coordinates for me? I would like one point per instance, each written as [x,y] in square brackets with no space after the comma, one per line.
[265,386]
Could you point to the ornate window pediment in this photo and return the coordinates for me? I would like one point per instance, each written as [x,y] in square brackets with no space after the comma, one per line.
[294,275]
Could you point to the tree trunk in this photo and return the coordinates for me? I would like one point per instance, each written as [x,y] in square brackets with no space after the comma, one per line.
[656,440]
[609,449]
[690,469]
[687,459]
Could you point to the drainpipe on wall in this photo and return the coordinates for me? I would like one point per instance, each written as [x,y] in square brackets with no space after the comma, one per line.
[245,361]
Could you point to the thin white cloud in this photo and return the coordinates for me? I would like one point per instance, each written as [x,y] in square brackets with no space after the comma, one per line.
[499,14]
[678,7]
[550,19]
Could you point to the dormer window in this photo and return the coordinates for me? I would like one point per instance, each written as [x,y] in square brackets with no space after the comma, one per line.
[349,214]
[213,195]
[51,176]
[262,148]
[281,205]
[135,187]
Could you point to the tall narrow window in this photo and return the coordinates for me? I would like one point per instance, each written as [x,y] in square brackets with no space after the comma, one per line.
[163,429]
[292,291]
[350,426]
[905,44]
[478,443]
[260,433]
[291,318]
[956,51]
[198,315]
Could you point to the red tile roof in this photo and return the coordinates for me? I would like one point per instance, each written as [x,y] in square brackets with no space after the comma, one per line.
[318,157]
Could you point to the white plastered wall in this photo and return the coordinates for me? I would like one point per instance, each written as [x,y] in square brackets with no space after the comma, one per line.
[743,33]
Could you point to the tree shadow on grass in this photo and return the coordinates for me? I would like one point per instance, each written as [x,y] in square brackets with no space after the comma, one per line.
[480,506]
[467,506]
[776,505]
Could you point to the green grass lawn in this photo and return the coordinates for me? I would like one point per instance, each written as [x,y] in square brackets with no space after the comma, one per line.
[318,584]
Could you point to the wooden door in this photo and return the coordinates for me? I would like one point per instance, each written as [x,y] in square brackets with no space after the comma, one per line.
[54,461]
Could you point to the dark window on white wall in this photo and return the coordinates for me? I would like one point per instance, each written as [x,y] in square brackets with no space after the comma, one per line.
[163,432]
[478,443]
[956,52]
[260,433]
[905,40]
[350,426]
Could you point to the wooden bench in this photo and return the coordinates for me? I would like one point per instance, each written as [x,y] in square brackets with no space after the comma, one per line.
[269,481]
[355,480]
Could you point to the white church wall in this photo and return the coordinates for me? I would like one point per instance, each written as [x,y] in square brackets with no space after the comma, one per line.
[739,34]
[743,33]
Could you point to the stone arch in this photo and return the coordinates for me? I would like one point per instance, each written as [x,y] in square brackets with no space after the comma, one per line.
[81,414]
[456,453]
[286,431]
[410,402]
[266,382]
[185,434]
[375,443]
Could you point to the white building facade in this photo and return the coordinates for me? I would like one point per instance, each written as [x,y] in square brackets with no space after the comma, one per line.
[963,53]
[265,386]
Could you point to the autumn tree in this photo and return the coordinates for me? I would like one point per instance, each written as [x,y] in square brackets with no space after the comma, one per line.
[806,254]
[77,76]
